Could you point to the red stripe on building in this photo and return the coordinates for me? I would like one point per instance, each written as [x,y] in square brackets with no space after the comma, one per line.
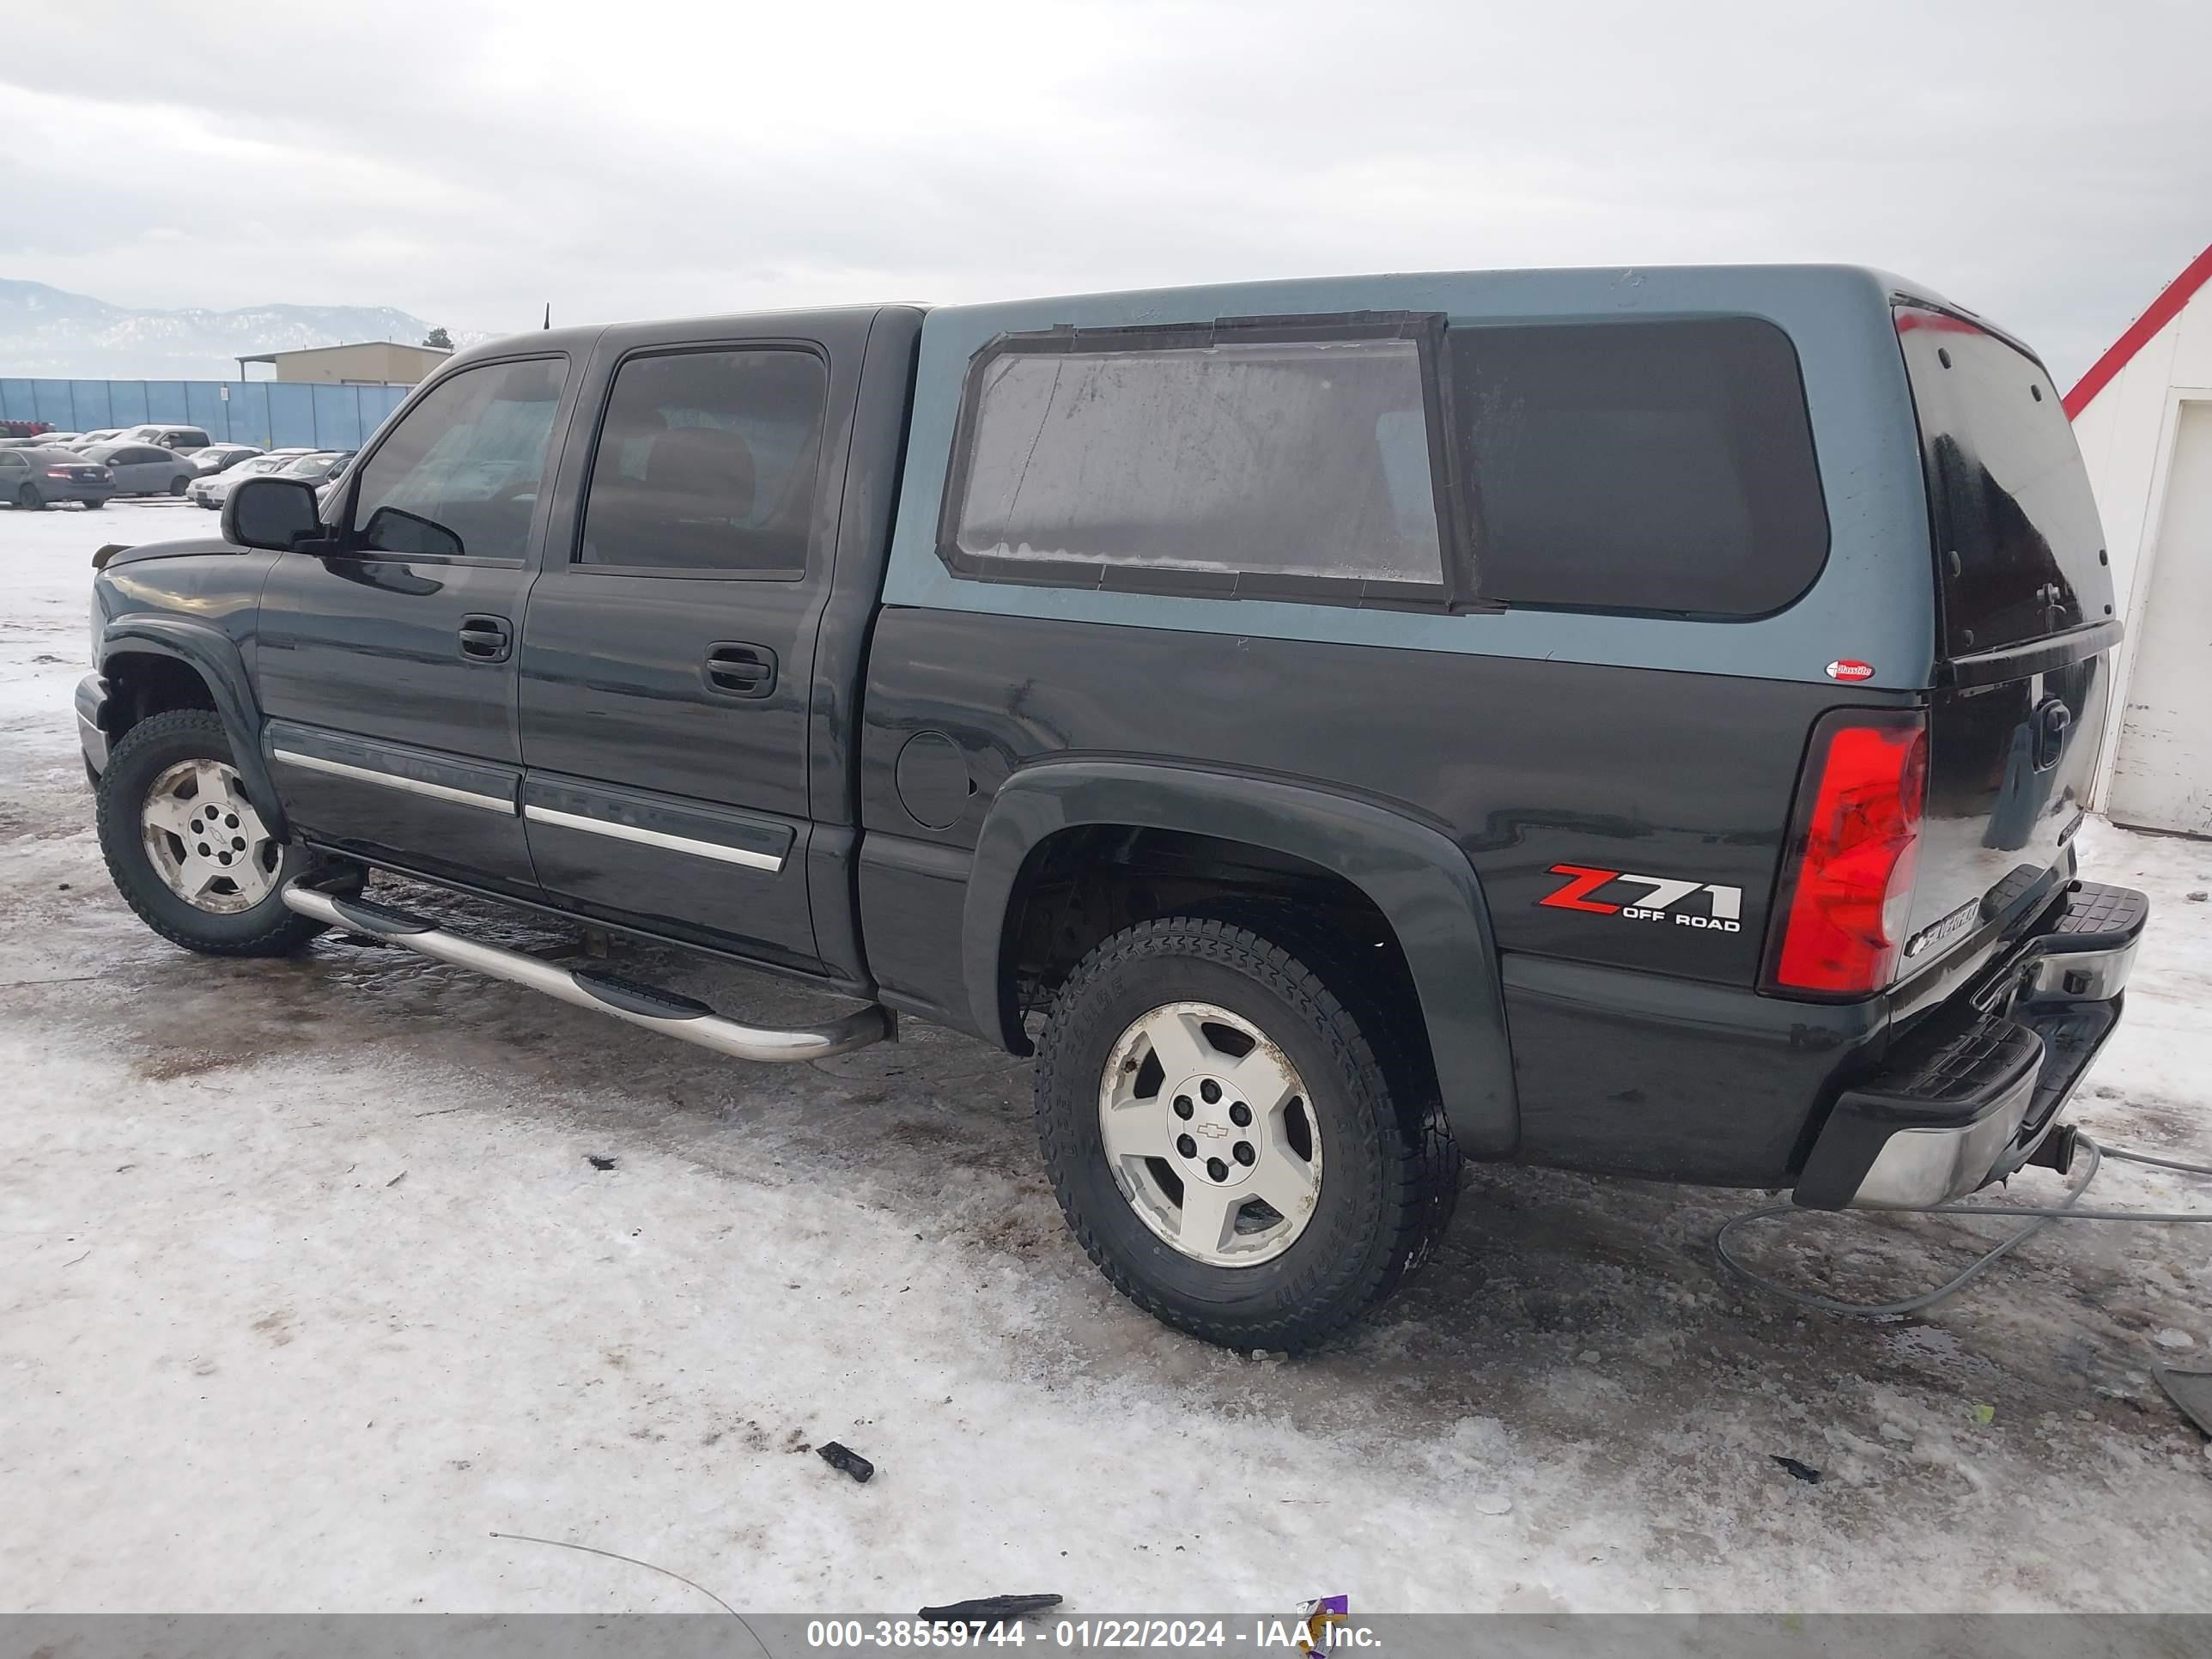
[2163,310]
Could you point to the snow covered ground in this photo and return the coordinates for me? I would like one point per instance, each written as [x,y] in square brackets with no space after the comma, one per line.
[309,1287]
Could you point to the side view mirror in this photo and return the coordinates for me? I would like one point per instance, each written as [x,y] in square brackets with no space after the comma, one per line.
[394,530]
[275,513]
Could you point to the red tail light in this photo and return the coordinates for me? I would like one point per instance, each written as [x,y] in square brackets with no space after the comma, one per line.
[1847,886]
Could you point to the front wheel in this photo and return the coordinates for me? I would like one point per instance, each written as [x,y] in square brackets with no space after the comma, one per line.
[185,847]
[1225,1143]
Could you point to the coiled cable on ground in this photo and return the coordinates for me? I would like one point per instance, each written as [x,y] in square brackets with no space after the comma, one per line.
[2067,1209]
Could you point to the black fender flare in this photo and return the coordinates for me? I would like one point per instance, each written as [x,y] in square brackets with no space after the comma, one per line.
[215,656]
[1414,873]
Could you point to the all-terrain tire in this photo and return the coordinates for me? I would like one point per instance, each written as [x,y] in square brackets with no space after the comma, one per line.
[151,747]
[1389,1176]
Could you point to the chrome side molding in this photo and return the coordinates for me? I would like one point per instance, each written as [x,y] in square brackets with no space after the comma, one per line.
[654,1009]
[393,781]
[703,849]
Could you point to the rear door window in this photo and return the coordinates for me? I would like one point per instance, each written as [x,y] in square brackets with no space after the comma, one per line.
[2019,547]
[1660,467]
[707,463]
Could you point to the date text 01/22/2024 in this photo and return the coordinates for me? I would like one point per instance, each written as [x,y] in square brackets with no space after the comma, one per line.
[1320,1631]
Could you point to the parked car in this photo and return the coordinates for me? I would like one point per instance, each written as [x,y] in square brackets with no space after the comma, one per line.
[220,457]
[183,439]
[317,466]
[33,479]
[211,490]
[320,469]
[142,469]
[1338,726]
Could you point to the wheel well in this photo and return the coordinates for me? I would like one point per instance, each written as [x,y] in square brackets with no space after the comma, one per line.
[141,684]
[1080,886]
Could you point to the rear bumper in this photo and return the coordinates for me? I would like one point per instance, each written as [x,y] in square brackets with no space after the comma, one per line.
[61,490]
[1970,1094]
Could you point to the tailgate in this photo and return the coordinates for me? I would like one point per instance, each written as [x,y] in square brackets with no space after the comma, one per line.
[2026,630]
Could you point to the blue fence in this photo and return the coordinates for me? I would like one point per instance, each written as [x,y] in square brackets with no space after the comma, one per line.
[266,413]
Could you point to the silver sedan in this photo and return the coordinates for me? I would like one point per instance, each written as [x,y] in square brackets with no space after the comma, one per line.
[142,469]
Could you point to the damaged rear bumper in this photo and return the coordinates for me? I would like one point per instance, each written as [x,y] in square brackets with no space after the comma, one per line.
[1968,1096]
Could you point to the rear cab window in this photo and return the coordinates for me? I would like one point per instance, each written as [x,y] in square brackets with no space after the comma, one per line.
[2020,550]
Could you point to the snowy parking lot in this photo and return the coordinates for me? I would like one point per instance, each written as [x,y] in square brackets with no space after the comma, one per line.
[314,1284]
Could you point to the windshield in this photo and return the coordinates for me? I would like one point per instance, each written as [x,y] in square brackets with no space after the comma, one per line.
[312,466]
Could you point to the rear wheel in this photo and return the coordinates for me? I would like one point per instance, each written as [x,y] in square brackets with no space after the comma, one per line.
[28,499]
[185,847]
[178,486]
[1225,1143]
[93,504]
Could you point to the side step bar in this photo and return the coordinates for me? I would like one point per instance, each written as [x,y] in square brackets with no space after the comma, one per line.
[591,987]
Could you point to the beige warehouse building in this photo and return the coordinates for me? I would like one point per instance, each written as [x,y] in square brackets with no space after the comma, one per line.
[371,363]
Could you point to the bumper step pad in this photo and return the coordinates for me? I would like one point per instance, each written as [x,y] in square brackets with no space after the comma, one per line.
[1963,1070]
[2099,918]
[2085,955]
[2071,1036]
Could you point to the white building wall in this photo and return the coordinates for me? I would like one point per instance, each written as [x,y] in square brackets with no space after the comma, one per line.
[2127,435]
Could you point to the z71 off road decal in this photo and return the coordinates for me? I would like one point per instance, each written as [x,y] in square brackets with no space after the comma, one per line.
[1722,912]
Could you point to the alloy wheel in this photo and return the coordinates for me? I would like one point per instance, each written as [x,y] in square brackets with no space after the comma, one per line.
[205,840]
[1210,1134]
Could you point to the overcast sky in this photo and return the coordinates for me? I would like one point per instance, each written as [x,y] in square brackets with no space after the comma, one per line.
[2047,163]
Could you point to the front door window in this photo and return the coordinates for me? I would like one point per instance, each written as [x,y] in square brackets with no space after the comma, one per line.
[459,476]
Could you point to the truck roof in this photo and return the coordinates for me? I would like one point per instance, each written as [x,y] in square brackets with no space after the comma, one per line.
[1531,293]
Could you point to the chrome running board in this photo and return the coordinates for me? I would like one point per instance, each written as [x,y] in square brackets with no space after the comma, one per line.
[648,1005]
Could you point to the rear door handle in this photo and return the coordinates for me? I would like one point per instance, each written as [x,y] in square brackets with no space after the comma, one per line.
[486,639]
[740,670]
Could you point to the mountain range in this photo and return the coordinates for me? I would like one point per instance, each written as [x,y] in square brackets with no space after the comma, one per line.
[47,332]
